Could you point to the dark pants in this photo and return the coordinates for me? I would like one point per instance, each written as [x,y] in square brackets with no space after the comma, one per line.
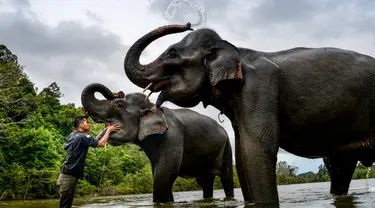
[68,185]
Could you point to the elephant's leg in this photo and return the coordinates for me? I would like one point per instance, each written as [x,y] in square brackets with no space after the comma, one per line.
[163,183]
[340,168]
[259,165]
[226,175]
[164,174]
[167,162]
[257,150]
[257,122]
[207,184]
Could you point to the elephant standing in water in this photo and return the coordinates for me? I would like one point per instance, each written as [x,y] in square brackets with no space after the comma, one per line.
[178,142]
[312,102]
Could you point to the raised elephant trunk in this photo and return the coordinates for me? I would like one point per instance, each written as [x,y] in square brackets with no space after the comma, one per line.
[95,107]
[136,72]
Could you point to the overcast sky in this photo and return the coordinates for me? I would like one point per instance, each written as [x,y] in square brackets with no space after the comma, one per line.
[78,42]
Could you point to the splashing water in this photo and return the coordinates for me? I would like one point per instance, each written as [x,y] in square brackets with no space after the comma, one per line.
[367,175]
[198,5]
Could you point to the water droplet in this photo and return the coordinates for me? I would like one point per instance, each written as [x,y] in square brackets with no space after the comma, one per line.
[367,175]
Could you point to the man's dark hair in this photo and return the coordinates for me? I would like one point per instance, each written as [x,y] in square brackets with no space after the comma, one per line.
[78,120]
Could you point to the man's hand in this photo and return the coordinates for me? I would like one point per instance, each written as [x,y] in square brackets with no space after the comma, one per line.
[112,128]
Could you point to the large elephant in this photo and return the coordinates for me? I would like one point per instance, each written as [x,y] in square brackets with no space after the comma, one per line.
[178,142]
[312,102]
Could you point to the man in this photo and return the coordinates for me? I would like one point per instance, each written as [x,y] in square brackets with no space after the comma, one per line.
[77,147]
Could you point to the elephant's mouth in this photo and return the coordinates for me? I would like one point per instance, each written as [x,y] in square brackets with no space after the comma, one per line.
[113,137]
[114,143]
[157,86]
[97,120]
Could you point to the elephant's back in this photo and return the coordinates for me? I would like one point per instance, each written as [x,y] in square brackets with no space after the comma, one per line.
[325,93]
[198,124]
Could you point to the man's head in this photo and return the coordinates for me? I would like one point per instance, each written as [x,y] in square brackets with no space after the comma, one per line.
[81,123]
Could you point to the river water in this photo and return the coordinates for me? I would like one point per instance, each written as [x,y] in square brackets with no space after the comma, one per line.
[312,195]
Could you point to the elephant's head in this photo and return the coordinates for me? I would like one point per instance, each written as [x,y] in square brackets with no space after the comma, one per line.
[134,112]
[187,70]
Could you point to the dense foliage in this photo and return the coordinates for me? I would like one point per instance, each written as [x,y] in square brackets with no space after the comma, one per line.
[33,127]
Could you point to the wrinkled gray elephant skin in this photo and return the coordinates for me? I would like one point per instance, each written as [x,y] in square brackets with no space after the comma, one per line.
[178,142]
[312,102]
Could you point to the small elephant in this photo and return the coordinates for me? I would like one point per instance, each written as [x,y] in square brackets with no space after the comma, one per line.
[178,142]
[312,102]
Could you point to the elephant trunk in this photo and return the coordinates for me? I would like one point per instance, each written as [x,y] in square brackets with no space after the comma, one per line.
[96,108]
[136,72]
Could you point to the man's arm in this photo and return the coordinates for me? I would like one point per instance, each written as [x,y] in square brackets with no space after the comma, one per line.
[101,134]
[102,137]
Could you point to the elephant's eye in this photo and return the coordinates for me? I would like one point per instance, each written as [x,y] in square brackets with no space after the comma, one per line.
[172,53]
[120,105]
[144,112]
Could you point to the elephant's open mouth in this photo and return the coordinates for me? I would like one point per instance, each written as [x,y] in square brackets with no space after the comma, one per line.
[159,86]
[98,120]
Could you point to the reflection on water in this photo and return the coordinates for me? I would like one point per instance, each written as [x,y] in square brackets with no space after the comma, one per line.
[298,195]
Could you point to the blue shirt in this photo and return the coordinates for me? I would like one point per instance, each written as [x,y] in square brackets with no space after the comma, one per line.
[77,147]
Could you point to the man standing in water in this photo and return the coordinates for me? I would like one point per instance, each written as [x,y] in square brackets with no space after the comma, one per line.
[77,146]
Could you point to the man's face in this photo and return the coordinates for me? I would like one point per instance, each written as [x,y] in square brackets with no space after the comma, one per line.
[85,125]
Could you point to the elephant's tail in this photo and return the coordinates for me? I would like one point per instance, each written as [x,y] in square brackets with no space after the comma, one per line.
[227,156]
[227,171]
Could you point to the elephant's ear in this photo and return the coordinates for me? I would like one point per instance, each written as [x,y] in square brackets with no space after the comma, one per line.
[223,63]
[152,122]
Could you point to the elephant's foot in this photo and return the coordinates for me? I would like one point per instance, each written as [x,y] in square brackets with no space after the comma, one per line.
[340,169]
[162,192]
[165,197]
[207,184]
[259,175]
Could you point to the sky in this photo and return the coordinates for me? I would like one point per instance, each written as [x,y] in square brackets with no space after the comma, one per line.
[75,43]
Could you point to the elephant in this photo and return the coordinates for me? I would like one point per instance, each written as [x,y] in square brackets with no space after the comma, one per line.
[311,102]
[178,142]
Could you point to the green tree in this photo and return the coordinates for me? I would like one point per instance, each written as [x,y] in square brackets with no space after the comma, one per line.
[286,174]
[6,56]
[362,172]
[322,174]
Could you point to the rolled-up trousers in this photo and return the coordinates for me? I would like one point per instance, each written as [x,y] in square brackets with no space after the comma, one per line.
[68,186]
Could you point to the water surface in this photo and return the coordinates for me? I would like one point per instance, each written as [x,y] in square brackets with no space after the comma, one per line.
[312,195]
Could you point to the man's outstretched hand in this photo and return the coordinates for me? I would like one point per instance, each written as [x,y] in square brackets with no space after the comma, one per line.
[112,128]
[109,128]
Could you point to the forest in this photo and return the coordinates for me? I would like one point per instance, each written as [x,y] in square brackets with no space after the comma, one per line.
[33,128]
